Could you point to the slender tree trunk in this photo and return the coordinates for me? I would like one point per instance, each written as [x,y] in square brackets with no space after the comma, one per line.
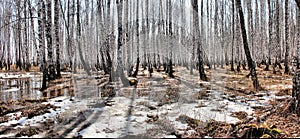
[287,47]
[222,35]
[86,68]
[127,20]
[233,33]
[270,36]
[216,33]
[19,26]
[56,23]
[27,62]
[263,31]
[120,69]
[278,39]
[51,70]
[295,65]
[197,41]
[8,41]
[170,34]
[251,64]
[298,33]
[41,53]
[138,41]
[295,107]
[256,36]
[250,28]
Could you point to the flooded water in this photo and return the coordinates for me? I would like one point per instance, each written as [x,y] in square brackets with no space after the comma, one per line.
[15,86]
[115,111]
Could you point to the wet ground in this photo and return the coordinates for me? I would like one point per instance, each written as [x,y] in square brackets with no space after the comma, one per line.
[81,106]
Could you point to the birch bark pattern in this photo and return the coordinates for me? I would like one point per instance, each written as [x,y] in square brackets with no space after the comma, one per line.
[41,53]
[197,40]
[120,41]
[56,30]
[51,70]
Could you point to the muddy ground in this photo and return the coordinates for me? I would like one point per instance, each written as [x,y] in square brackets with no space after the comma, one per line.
[158,107]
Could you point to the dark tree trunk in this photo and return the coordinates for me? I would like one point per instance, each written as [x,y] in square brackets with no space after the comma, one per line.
[232,45]
[197,41]
[136,67]
[287,47]
[19,35]
[56,19]
[251,64]
[295,91]
[296,76]
[170,34]
[26,24]
[298,3]
[51,70]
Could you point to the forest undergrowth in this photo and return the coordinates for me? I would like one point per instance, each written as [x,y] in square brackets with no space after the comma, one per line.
[274,120]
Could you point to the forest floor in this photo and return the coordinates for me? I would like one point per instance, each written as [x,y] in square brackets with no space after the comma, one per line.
[158,107]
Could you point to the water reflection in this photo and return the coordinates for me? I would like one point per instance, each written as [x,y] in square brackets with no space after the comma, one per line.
[21,87]
[27,87]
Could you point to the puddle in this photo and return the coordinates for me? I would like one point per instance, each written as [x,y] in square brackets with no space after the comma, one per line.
[127,112]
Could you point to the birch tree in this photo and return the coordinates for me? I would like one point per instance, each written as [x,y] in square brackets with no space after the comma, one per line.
[41,53]
[251,63]
[270,35]
[25,43]
[138,41]
[287,47]
[197,41]
[85,66]
[233,33]
[19,26]
[120,69]
[295,105]
[51,69]
[57,46]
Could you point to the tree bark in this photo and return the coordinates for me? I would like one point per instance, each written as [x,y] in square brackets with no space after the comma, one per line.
[41,53]
[295,91]
[287,47]
[296,61]
[250,28]
[270,36]
[120,68]
[27,62]
[251,63]
[170,34]
[56,23]
[278,39]
[197,41]
[233,33]
[298,33]
[138,41]
[51,70]
[7,20]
